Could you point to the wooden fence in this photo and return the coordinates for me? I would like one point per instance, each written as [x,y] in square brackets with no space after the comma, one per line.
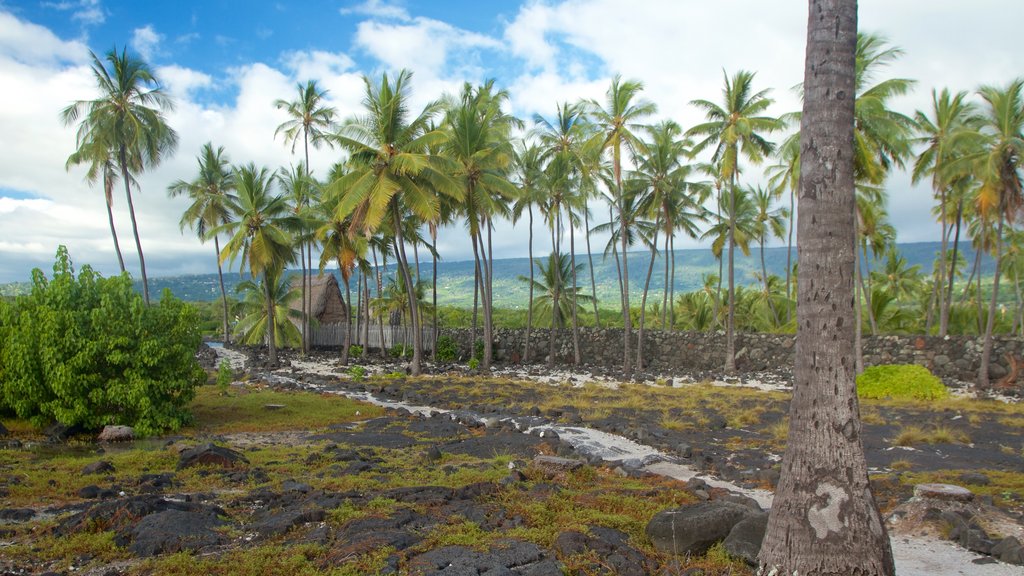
[333,335]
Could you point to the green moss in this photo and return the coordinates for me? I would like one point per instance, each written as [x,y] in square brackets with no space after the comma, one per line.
[900,381]
[247,411]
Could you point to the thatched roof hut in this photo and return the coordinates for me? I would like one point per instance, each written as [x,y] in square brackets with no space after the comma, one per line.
[326,304]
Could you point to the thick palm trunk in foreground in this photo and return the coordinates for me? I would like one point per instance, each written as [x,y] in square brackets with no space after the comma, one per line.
[824,520]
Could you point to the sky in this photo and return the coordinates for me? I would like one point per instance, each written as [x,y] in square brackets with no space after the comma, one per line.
[225,66]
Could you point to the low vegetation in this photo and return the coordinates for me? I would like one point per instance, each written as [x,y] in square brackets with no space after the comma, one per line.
[900,381]
[84,350]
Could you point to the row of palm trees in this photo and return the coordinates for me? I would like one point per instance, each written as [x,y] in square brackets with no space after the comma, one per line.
[463,158]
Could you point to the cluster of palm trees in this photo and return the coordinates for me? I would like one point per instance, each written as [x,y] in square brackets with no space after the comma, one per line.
[463,158]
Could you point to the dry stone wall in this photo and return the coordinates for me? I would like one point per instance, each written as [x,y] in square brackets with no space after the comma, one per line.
[952,357]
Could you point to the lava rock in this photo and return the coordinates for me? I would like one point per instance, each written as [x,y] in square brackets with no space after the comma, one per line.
[975,478]
[98,467]
[1009,550]
[175,531]
[17,514]
[744,540]
[116,434]
[948,492]
[614,554]
[553,465]
[211,454]
[694,528]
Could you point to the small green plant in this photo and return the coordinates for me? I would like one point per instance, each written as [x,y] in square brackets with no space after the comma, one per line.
[400,351]
[357,373]
[478,350]
[474,363]
[446,350]
[907,381]
[394,375]
[224,377]
[355,350]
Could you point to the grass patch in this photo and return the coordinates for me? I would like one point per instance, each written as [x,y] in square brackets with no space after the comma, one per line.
[914,435]
[246,411]
[95,548]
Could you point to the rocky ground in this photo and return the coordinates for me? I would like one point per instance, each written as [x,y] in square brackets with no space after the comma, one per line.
[445,481]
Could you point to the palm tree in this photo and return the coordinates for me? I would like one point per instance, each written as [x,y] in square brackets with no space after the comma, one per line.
[478,143]
[782,176]
[391,172]
[553,299]
[301,189]
[768,221]
[340,245]
[619,120]
[671,199]
[252,327]
[260,235]
[310,119]
[823,467]
[951,114]
[101,164]
[997,156]
[127,119]
[563,142]
[735,128]
[211,193]
[528,171]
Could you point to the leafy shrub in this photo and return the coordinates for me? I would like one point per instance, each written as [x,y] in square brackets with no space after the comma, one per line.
[478,350]
[224,376]
[474,363]
[394,375]
[357,373]
[400,351]
[900,381]
[446,350]
[355,350]
[86,350]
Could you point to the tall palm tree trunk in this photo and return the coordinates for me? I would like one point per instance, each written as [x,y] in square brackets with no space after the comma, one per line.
[403,263]
[123,157]
[858,321]
[366,316]
[986,350]
[764,278]
[529,308]
[590,259]
[789,255]
[672,286]
[643,302]
[479,264]
[223,293]
[348,321]
[944,313]
[476,300]
[489,270]
[575,320]
[941,276]
[305,300]
[627,322]
[271,323]
[108,188]
[664,298]
[730,322]
[433,291]
[558,284]
[866,286]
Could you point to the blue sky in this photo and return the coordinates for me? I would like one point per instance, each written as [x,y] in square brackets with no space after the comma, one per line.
[225,65]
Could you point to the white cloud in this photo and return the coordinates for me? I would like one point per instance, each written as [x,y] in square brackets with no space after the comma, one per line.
[146,41]
[377,9]
[424,45]
[33,45]
[88,12]
[181,82]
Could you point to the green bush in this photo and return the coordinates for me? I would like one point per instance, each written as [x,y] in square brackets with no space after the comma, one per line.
[446,350]
[355,350]
[86,350]
[474,363]
[478,350]
[400,351]
[900,381]
[224,377]
[357,373]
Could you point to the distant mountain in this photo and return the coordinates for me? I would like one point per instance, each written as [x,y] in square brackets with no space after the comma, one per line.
[455,279]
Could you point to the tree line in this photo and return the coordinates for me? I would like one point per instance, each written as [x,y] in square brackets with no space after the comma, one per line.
[610,167]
